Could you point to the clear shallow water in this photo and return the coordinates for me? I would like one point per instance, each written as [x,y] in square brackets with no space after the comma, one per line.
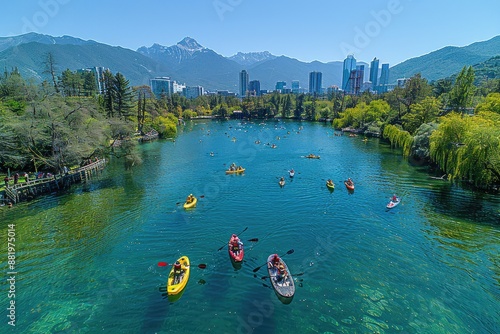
[87,260]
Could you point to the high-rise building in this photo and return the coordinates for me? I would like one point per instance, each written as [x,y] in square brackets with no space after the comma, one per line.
[356,80]
[177,87]
[254,88]
[192,92]
[402,82]
[162,86]
[374,73]
[280,85]
[315,83]
[243,83]
[295,86]
[384,79]
[349,66]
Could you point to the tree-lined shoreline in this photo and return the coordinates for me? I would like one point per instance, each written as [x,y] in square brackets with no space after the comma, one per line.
[451,124]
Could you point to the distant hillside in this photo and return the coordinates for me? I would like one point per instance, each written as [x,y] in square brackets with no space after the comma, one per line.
[8,42]
[193,64]
[487,70]
[29,58]
[446,61]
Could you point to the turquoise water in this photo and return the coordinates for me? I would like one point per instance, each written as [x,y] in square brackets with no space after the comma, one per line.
[86,261]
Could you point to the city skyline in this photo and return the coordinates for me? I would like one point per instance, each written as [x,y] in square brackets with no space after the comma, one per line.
[391,30]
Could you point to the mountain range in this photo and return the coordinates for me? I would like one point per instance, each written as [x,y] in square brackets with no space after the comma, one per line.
[193,64]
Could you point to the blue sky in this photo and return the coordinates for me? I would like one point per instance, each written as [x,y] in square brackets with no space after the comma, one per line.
[324,30]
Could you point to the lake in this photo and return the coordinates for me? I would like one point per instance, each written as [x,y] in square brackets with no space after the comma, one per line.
[87,260]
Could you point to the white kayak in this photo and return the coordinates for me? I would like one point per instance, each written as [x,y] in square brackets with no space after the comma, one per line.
[392,203]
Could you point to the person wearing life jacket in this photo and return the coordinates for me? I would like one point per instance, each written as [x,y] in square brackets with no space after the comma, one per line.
[275,261]
[177,272]
[235,244]
[394,198]
[281,273]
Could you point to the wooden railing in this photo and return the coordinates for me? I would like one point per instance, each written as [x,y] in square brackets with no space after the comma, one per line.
[77,175]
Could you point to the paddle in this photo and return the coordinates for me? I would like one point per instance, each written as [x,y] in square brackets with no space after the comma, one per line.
[164,264]
[254,240]
[236,235]
[293,275]
[258,268]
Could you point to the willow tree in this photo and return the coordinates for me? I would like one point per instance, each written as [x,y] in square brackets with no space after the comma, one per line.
[469,148]
[491,103]
[479,157]
[363,114]
[446,140]
[398,138]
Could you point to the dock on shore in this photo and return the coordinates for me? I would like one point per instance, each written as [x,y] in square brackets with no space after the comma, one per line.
[34,188]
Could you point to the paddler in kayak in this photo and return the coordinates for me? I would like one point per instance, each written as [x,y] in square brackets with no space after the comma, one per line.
[275,261]
[235,244]
[394,198]
[190,198]
[179,270]
[281,274]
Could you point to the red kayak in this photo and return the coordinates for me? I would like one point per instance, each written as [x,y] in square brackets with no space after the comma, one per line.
[349,186]
[235,249]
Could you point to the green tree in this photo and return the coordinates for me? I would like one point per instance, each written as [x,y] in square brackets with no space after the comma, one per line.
[287,106]
[445,141]
[442,86]
[109,93]
[463,90]
[421,141]
[299,106]
[399,138]
[415,90]
[276,101]
[89,84]
[491,103]
[123,96]
[424,112]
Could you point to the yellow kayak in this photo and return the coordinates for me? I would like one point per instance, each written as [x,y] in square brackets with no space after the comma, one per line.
[330,186]
[237,171]
[173,289]
[192,204]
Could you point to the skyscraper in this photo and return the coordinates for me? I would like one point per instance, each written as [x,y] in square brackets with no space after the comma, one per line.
[315,79]
[356,80]
[349,66]
[384,79]
[280,85]
[374,73]
[243,83]
[162,86]
[254,88]
[295,86]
